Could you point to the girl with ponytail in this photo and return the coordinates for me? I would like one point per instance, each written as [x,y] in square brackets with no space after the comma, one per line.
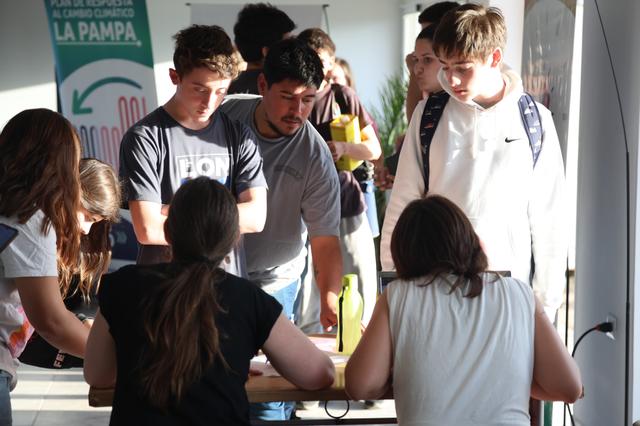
[177,338]
[459,344]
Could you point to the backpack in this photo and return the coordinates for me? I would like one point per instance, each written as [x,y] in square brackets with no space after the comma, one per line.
[433,111]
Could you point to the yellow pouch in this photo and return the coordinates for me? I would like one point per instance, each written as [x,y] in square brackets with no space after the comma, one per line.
[346,128]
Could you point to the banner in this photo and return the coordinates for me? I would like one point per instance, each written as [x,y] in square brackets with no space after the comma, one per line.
[104,72]
[104,69]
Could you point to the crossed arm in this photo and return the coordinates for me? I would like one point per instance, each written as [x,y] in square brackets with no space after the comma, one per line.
[148,217]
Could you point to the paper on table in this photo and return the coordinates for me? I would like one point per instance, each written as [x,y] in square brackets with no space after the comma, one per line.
[260,363]
[326,345]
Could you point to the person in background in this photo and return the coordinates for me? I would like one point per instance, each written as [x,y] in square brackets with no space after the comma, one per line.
[341,74]
[188,137]
[40,197]
[99,209]
[448,329]
[177,338]
[358,223]
[101,199]
[479,170]
[421,60]
[425,63]
[428,17]
[259,25]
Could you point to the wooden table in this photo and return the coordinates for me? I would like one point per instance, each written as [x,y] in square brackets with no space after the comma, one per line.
[259,389]
[277,388]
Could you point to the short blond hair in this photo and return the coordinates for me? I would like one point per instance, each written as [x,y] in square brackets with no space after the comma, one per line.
[470,31]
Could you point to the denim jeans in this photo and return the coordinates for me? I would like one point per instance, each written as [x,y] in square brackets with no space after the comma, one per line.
[286,296]
[5,399]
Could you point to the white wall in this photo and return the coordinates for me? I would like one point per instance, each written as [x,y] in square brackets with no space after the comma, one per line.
[601,231]
[26,68]
[367,34]
[513,12]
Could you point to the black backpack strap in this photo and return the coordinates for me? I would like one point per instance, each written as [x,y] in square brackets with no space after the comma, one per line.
[428,124]
[532,124]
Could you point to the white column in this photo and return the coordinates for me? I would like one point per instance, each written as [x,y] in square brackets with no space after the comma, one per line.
[601,255]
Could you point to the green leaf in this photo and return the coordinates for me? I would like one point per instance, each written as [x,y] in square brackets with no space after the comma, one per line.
[390,118]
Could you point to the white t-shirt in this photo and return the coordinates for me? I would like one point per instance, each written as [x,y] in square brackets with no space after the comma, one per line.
[458,360]
[31,254]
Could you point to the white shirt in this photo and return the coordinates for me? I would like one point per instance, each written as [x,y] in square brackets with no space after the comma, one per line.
[31,254]
[515,209]
[458,360]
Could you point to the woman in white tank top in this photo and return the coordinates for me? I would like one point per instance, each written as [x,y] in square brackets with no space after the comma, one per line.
[458,344]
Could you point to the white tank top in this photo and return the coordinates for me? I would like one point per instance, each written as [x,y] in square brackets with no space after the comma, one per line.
[462,361]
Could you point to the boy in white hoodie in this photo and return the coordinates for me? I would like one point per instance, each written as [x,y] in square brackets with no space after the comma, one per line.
[480,157]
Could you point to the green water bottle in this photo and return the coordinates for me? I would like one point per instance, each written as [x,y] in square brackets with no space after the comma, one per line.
[349,315]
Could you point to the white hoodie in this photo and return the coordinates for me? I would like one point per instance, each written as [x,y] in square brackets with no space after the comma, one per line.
[514,208]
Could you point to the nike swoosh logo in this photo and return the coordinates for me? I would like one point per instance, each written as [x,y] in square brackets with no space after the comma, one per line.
[509,140]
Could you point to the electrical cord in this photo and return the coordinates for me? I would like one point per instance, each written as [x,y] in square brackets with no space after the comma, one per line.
[627,362]
[603,327]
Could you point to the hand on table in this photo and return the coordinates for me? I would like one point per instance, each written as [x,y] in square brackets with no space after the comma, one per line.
[254,372]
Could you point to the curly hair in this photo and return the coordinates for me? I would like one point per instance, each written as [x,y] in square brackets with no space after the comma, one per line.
[205,46]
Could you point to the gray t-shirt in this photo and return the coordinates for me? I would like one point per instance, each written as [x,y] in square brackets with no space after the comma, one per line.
[158,154]
[304,195]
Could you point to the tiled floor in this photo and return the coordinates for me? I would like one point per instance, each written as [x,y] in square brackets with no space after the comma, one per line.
[53,397]
[59,398]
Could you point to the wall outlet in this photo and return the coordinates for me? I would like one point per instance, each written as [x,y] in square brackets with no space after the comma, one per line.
[612,319]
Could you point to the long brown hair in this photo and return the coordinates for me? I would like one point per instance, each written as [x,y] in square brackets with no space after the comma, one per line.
[433,237]
[179,315]
[39,155]
[100,196]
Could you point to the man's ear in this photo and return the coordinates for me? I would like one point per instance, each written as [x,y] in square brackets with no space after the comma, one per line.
[264,51]
[173,75]
[262,84]
[496,57]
